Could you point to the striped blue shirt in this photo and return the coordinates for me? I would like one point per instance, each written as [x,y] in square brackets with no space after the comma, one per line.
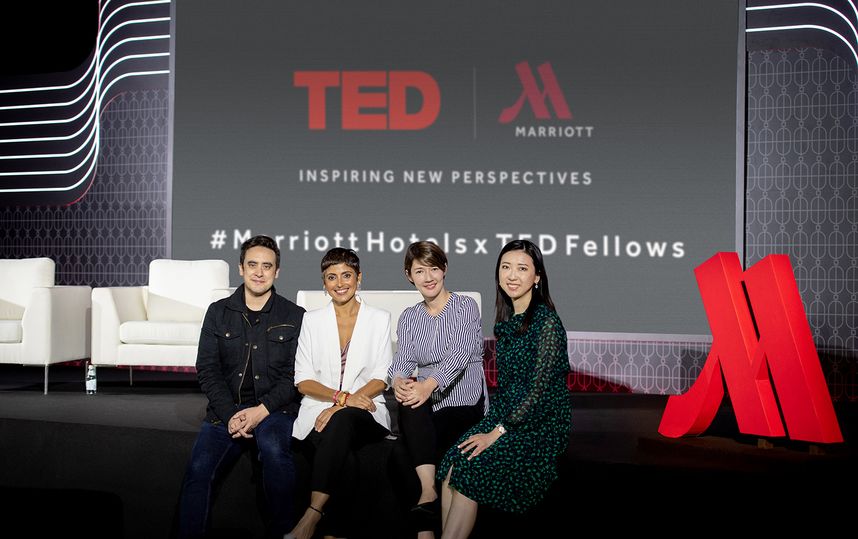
[447,347]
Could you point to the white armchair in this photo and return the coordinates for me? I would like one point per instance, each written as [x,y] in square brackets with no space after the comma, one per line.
[392,301]
[41,324]
[158,324]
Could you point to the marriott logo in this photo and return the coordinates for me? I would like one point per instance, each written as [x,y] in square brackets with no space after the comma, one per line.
[538,99]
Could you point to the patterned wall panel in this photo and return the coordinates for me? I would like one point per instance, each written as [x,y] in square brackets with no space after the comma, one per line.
[653,364]
[111,234]
[83,154]
[802,191]
[626,363]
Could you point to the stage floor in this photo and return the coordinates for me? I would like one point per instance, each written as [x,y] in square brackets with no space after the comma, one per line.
[125,448]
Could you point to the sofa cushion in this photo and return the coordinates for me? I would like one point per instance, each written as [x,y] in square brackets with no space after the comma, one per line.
[164,309]
[10,311]
[142,332]
[17,278]
[11,331]
[188,284]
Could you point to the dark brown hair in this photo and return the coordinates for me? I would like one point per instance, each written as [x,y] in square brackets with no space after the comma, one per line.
[426,253]
[340,255]
[260,241]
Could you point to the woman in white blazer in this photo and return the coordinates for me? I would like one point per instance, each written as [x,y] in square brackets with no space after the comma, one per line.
[344,352]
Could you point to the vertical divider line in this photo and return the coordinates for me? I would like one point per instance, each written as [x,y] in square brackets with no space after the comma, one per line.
[475,102]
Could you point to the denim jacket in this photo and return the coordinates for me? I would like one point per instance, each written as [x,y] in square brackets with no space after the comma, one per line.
[228,351]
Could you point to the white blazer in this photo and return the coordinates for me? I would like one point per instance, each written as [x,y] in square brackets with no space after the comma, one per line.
[318,358]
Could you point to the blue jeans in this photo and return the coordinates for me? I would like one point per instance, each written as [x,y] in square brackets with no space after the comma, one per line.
[215,452]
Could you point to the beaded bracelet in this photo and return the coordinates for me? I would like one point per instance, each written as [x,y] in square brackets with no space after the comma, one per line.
[337,397]
[345,396]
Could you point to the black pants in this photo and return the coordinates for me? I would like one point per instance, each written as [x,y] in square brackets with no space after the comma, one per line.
[334,464]
[428,435]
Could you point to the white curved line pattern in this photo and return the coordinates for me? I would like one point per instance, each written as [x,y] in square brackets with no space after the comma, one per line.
[807,4]
[92,63]
[83,178]
[67,86]
[51,88]
[61,121]
[808,27]
[52,105]
[852,45]
[56,138]
[54,155]
[136,74]
[52,122]
[100,73]
[41,172]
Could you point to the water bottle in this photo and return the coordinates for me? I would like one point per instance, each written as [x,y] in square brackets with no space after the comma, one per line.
[91,382]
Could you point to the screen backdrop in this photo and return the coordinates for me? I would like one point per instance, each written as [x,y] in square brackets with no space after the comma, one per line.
[605,131]
[799,197]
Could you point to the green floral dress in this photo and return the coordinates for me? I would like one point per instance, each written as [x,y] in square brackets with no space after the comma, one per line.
[533,403]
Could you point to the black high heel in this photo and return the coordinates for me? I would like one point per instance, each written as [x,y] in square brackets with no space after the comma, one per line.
[425,516]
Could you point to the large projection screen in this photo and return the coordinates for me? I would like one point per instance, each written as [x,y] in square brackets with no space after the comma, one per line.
[603,131]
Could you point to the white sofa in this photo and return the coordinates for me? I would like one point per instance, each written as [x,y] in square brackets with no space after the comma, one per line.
[41,324]
[158,324]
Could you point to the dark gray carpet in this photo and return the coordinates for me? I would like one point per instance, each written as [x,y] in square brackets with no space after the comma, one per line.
[120,454]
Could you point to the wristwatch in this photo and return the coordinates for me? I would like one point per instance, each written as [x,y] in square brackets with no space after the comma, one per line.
[501,428]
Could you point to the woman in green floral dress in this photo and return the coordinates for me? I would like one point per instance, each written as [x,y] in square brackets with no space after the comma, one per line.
[509,459]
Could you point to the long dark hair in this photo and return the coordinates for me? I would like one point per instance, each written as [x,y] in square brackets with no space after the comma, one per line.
[539,294]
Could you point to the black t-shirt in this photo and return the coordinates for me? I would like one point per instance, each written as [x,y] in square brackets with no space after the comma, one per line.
[255,332]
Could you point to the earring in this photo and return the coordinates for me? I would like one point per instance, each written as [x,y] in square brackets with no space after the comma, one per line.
[536,286]
[325,291]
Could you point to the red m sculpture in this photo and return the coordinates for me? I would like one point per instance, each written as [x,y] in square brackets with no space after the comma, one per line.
[761,345]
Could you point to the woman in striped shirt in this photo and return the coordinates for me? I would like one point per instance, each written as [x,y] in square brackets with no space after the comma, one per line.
[441,339]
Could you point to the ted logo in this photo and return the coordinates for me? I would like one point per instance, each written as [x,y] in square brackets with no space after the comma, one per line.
[531,93]
[783,356]
[387,98]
